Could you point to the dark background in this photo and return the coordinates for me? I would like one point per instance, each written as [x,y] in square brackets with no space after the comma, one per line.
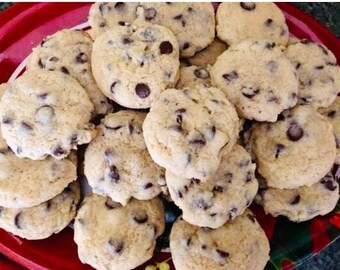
[329,15]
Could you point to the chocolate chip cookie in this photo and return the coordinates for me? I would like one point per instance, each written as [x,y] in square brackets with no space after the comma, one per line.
[112,236]
[193,75]
[117,162]
[192,23]
[134,64]
[222,197]
[187,131]
[45,219]
[257,78]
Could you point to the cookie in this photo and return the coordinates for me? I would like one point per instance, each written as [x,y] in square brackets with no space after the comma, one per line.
[221,198]
[110,236]
[26,183]
[45,113]
[192,76]
[104,16]
[192,23]
[69,51]
[297,150]
[303,203]
[333,115]
[236,22]
[238,244]
[135,63]
[318,73]
[117,162]
[257,78]
[3,144]
[187,130]
[45,219]
[208,56]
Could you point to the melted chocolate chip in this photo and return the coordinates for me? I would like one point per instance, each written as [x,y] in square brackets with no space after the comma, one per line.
[114,86]
[204,247]
[188,241]
[298,65]
[165,47]
[329,184]
[7,120]
[40,63]
[251,217]
[119,6]
[121,23]
[148,185]
[53,59]
[64,70]
[268,22]
[140,218]
[230,76]
[127,40]
[249,6]
[48,205]
[81,58]
[179,119]
[202,204]
[244,163]
[180,195]
[218,189]
[185,46]
[222,254]
[198,142]
[42,96]
[111,204]
[117,246]
[142,90]
[102,24]
[201,73]
[17,221]
[319,67]
[113,174]
[295,200]
[228,177]
[294,133]
[331,114]
[270,45]
[250,93]
[131,128]
[279,149]
[113,128]
[58,151]
[26,126]
[249,176]
[180,18]
[195,181]
[149,14]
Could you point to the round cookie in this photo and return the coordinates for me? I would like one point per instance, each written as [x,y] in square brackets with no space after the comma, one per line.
[117,162]
[239,244]
[3,144]
[104,16]
[133,64]
[208,55]
[303,203]
[257,78]
[110,236]
[45,113]
[70,51]
[192,76]
[45,219]
[236,22]
[333,115]
[318,73]
[297,150]
[192,23]
[25,182]
[187,131]
[222,197]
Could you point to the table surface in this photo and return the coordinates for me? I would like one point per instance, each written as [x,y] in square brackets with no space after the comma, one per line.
[328,14]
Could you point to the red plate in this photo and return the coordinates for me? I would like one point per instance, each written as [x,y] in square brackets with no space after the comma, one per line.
[23,27]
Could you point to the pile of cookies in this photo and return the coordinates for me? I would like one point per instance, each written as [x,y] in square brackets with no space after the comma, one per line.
[168,109]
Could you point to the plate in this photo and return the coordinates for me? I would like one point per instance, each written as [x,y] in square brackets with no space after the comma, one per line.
[24,25]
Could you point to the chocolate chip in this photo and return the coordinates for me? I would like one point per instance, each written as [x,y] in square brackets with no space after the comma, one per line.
[180,195]
[198,142]
[319,67]
[48,205]
[281,117]
[81,58]
[228,177]
[42,96]
[295,200]
[250,92]
[329,184]
[18,150]
[268,22]
[26,126]
[127,40]
[102,24]
[119,6]
[148,185]
[201,73]
[251,217]
[190,9]
[188,241]
[142,90]
[294,133]
[113,174]
[244,163]
[41,65]
[274,99]
[204,247]
[185,46]
[331,114]
[17,221]
[7,120]
[222,254]
[218,189]
[298,65]
[114,86]
[249,176]
[202,204]
[113,128]
[232,213]
[53,59]
[131,128]
[213,131]
[64,70]
[272,66]
[121,23]
[248,6]
[179,119]
[230,76]
[270,45]
[180,18]
[58,151]
[195,181]
[189,159]
[141,218]
[111,204]
[165,47]
[323,49]
[117,246]
[149,14]
[279,149]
